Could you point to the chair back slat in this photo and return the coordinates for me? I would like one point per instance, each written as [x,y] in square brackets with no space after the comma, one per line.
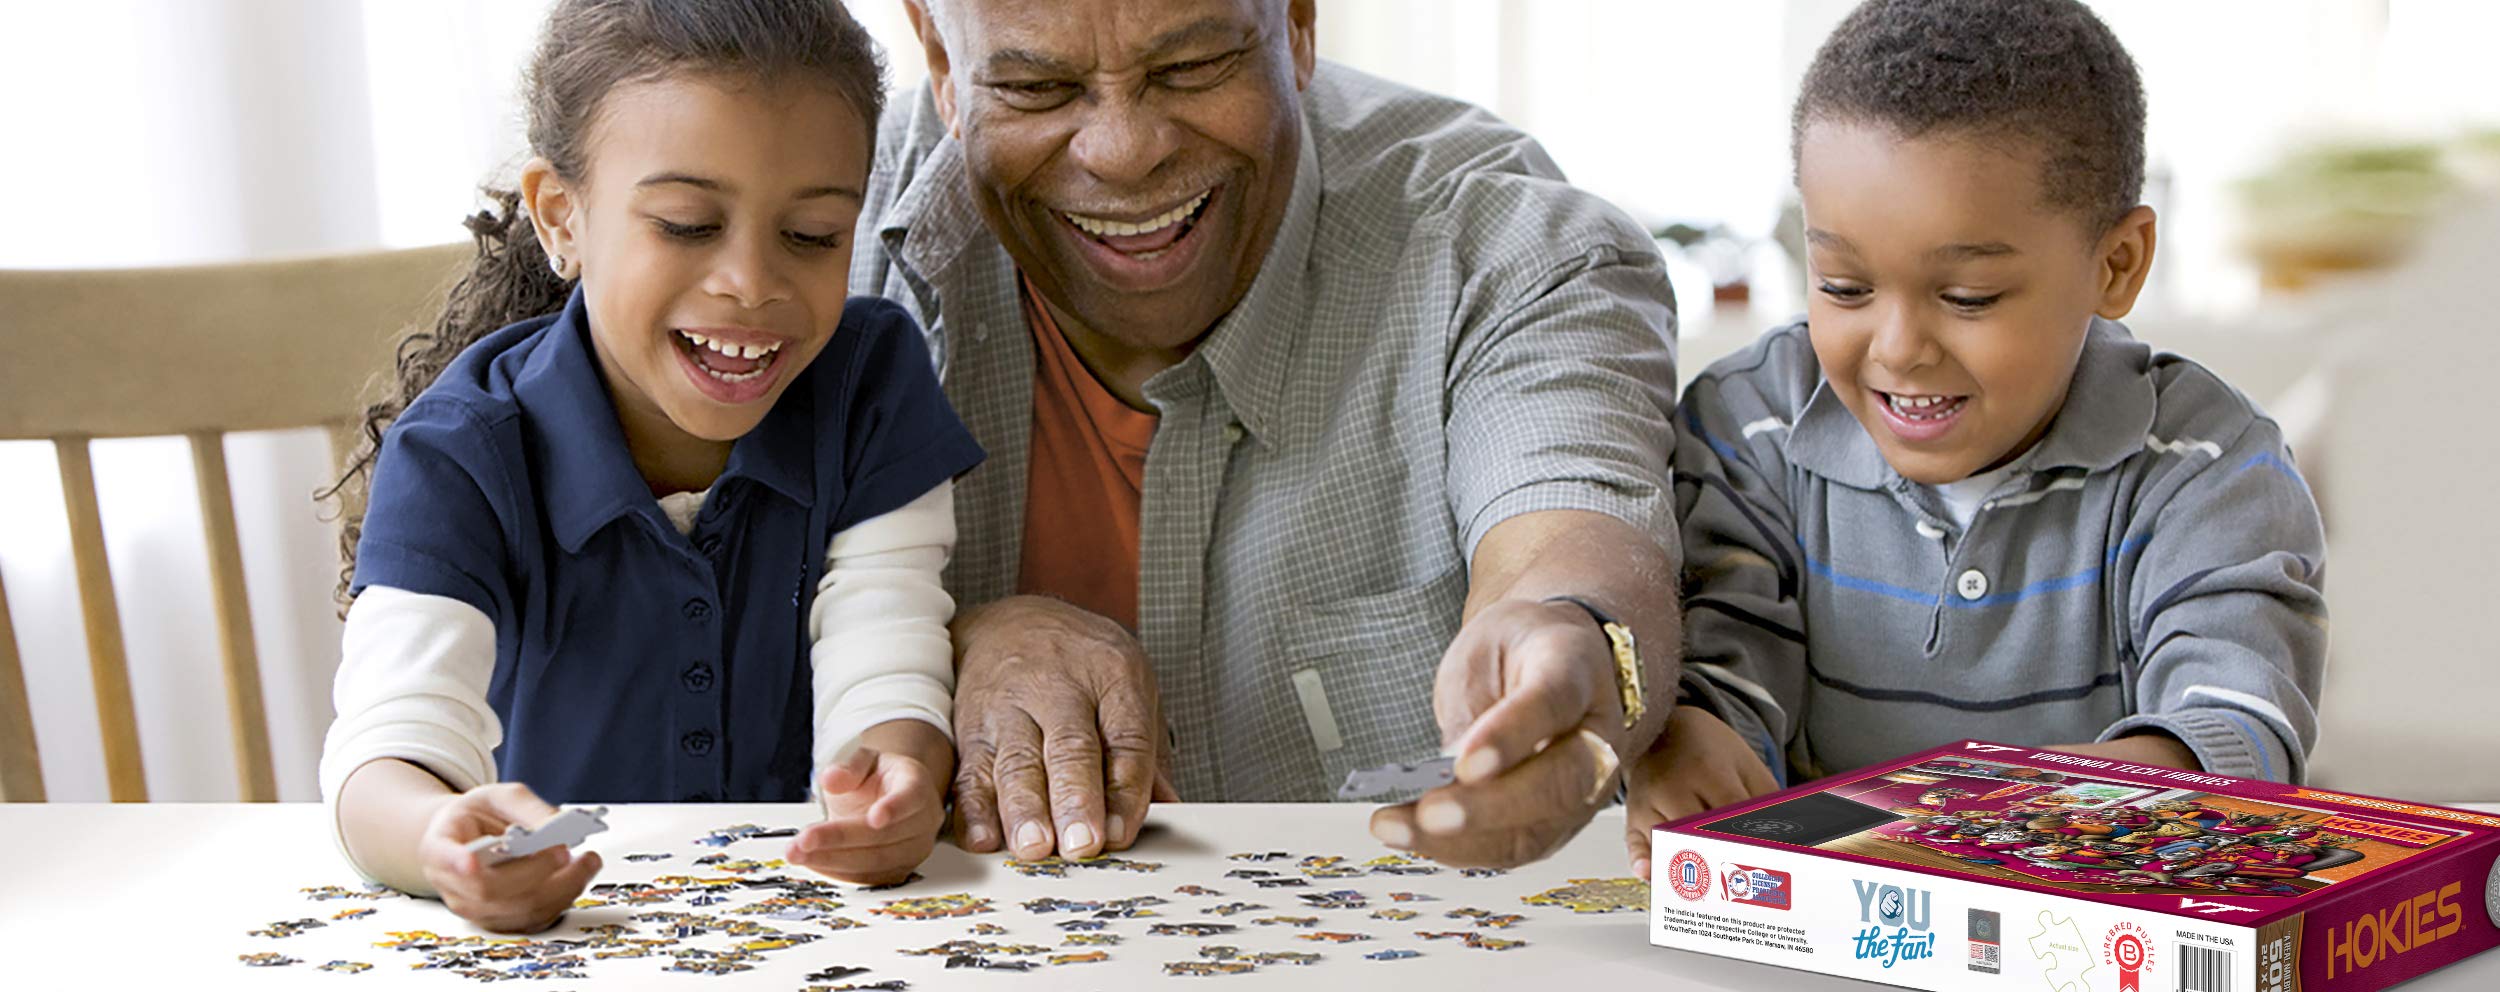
[244,710]
[125,774]
[21,766]
[196,351]
[274,345]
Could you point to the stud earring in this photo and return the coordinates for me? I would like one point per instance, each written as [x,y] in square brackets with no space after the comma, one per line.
[555,263]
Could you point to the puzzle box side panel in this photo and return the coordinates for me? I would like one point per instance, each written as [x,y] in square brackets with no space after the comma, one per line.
[1876,923]
[2434,914]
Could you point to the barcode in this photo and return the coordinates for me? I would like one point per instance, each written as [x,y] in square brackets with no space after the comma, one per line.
[2204,969]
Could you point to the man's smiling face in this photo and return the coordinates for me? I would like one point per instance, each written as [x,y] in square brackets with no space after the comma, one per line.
[1133,156]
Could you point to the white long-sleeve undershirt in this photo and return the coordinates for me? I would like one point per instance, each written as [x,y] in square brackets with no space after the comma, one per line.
[414,670]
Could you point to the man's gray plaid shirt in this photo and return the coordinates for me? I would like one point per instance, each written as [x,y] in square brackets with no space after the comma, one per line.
[1444,335]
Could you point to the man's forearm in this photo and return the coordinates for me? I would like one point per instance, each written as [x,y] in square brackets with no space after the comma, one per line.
[1612,564]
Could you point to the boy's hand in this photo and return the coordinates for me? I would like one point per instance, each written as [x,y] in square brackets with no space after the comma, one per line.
[882,814]
[524,895]
[1699,764]
[2150,747]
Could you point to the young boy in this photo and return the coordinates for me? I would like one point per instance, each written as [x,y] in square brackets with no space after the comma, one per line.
[1960,500]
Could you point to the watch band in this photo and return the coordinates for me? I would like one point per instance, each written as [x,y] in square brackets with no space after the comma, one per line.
[1628,676]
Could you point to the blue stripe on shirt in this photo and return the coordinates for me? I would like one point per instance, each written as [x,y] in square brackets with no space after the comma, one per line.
[2273,461]
[2265,765]
[2078,580]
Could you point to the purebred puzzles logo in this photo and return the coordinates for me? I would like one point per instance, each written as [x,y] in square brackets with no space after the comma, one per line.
[1754,886]
[1910,913]
[1689,875]
[2131,949]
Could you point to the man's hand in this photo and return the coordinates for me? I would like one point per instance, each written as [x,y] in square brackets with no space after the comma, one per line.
[1057,723]
[884,801]
[1526,698]
[524,895]
[1698,764]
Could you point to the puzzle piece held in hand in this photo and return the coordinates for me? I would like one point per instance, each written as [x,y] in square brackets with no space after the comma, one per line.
[567,828]
[1399,776]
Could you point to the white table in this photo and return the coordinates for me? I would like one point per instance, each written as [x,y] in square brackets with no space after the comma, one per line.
[161,896]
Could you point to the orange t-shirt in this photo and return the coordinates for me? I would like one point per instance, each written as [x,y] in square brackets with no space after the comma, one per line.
[1085,482]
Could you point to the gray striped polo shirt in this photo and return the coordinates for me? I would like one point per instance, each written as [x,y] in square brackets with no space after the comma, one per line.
[2155,563]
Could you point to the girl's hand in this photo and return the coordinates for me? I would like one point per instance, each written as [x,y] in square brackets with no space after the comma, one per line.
[524,895]
[882,814]
[1699,764]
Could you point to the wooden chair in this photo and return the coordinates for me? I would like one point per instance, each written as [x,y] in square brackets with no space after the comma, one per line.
[194,351]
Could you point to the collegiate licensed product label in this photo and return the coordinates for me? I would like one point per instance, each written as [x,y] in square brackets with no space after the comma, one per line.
[1754,886]
[1689,875]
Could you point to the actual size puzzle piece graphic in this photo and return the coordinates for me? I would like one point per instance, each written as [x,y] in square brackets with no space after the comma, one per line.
[2060,942]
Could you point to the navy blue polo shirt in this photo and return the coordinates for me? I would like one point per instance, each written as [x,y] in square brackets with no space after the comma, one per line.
[633,663]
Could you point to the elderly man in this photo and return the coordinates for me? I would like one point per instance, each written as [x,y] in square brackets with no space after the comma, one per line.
[1328,428]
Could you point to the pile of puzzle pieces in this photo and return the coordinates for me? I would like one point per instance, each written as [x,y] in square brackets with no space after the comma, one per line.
[745,912]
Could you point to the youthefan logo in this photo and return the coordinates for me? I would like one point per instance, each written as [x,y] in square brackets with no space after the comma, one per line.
[1988,748]
[2211,908]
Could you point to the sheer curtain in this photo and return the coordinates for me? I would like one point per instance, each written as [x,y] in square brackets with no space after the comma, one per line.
[150,132]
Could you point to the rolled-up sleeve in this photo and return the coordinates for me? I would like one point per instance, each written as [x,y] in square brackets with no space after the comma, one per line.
[1564,401]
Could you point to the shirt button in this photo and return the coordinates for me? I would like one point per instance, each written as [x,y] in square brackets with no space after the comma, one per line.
[697,609]
[1233,433]
[697,743]
[698,677]
[709,545]
[1971,585]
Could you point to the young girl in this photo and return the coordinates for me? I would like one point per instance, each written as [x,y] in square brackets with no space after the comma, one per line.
[674,533]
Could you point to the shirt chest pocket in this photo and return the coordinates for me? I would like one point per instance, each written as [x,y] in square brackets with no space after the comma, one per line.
[1360,671]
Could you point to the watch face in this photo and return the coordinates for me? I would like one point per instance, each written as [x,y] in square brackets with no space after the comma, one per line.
[1628,674]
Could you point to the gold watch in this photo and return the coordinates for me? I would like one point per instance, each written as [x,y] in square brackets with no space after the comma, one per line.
[1628,676]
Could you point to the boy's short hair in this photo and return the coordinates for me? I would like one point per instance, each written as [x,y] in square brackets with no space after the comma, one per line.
[2045,71]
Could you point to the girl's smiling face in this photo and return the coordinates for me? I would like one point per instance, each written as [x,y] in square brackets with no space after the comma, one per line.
[1948,298]
[712,232]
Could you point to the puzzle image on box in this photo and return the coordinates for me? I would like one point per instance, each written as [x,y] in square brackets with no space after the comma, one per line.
[2069,831]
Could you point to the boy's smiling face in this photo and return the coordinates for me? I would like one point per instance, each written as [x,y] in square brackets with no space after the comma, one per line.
[1948,298]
